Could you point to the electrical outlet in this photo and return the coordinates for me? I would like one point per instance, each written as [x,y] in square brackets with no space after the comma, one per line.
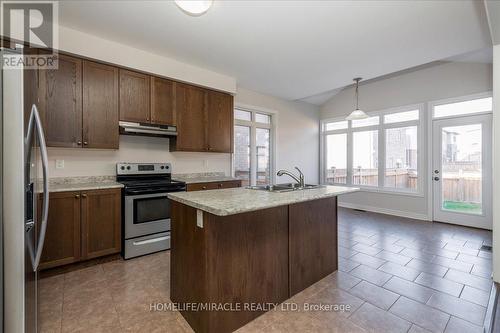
[59,164]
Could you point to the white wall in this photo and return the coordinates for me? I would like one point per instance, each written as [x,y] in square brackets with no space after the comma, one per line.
[496,163]
[297,132]
[442,81]
[297,144]
[96,162]
[91,46]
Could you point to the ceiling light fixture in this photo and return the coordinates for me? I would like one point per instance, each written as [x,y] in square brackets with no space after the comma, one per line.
[357,114]
[194,7]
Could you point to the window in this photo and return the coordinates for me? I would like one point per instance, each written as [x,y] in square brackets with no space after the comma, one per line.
[253,142]
[379,152]
[464,107]
[401,157]
[336,159]
[365,158]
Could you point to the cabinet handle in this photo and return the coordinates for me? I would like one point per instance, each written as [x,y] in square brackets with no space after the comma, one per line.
[77,196]
[204,188]
[85,143]
[220,185]
[84,195]
[79,143]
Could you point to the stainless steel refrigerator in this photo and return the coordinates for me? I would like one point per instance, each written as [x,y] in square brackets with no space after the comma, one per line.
[24,177]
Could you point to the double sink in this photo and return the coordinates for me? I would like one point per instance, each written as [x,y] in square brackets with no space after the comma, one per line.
[278,188]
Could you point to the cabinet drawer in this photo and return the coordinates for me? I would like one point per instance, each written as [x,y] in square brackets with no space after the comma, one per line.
[213,185]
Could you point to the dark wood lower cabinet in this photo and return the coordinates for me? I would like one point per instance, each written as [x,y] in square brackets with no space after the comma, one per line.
[62,240]
[254,258]
[101,223]
[81,225]
[313,253]
[213,185]
[233,259]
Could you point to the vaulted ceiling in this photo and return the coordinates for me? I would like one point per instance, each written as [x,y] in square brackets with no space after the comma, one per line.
[291,49]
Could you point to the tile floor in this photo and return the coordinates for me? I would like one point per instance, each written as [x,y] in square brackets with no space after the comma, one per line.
[396,275]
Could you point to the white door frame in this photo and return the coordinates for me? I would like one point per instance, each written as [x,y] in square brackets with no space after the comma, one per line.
[484,220]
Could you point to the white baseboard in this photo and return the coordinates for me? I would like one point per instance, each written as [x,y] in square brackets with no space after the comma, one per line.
[394,212]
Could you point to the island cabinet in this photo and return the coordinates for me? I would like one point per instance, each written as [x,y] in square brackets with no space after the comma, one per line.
[78,103]
[81,225]
[213,185]
[204,120]
[253,258]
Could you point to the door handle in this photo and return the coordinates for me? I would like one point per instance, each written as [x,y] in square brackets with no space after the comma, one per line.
[35,121]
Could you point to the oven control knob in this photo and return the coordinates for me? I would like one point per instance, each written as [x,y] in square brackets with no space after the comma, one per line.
[162,167]
[123,168]
[128,167]
[166,167]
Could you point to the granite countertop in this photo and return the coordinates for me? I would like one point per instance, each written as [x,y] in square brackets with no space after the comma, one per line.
[66,184]
[239,200]
[207,177]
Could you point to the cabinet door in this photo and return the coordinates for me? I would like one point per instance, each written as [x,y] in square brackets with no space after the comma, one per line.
[162,101]
[62,238]
[220,122]
[191,118]
[312,242]
[100,106]
[134,97]
[101,223]
[201,186]
[61,103]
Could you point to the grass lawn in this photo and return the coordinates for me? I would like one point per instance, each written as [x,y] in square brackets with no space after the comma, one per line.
[463,207]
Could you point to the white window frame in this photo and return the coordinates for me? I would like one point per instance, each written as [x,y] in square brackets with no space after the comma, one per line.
[253,144]
[381,127]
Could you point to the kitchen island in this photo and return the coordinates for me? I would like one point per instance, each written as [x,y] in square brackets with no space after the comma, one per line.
[236,252]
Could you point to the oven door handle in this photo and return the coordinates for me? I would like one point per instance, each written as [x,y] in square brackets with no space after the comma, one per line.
[149,241]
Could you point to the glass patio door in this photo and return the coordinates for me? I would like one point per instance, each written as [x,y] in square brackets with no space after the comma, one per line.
[462,171]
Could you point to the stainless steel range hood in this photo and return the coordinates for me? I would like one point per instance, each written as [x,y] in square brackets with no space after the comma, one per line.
[130,128]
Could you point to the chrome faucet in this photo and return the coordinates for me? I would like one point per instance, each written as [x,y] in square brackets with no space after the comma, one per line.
[300,179]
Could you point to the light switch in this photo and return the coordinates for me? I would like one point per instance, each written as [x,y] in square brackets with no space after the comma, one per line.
[59,164]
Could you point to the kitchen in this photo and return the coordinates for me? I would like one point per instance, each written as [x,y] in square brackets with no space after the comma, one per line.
[161,179]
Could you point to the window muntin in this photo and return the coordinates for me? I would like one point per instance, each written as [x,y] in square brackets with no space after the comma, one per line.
[401,158]
[365,158]
[464,107]
[336,158]
[399,117]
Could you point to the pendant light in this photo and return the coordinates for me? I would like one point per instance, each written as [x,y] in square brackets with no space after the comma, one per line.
[194,7]
[357,114]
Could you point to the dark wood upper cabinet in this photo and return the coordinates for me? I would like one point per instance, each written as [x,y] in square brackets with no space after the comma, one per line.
[100,106]
[191,118]
[162,101]
[134,96]
[62,240]
[220,122]
[101,222]
[61,103]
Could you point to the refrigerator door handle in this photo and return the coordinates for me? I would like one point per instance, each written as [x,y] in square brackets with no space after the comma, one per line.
[35,121]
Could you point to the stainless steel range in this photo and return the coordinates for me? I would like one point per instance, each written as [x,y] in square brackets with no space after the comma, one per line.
[146,208]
